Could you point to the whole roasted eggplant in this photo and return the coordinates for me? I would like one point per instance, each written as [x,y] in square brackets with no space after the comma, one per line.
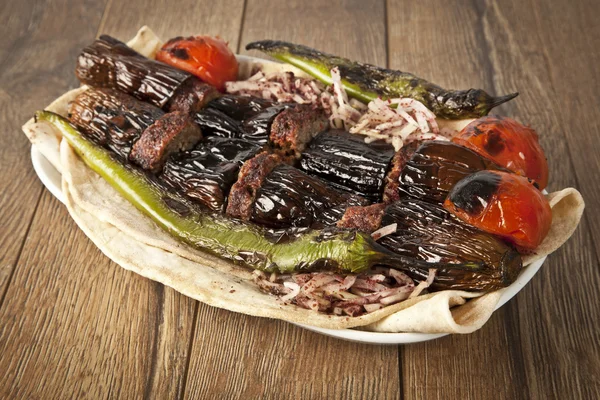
[348,163]
[427,232]
[111,118]
[110,63]
[206,173]
[436,167]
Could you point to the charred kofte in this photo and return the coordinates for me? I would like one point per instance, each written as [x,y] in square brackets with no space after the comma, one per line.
[236,156]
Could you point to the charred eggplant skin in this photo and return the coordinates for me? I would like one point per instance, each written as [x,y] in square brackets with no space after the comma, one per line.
[290,198]
[437,166]
[367,82]
[348,163]
[110,63]
[254,115]
[111,118]
[206,173]
[428,232]
[240,107]
[214,122]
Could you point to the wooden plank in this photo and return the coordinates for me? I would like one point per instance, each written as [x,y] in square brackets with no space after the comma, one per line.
[514,354]
[548,50]
[75,324]
[442,43]
[169,19]
[34,69]
[235,355]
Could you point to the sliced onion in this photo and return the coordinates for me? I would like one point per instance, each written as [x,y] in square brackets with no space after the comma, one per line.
[295,289]
[424,284]
[341,295]
[396,298]
[372,307]
[316,282]
[384,231]
[401,278]
[369,285]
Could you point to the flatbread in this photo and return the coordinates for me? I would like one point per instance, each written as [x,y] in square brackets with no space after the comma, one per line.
[136,243]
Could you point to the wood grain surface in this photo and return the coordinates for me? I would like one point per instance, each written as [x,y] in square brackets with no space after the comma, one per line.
[75,325]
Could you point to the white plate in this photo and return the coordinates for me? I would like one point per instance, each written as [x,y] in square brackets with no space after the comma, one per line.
[51,178]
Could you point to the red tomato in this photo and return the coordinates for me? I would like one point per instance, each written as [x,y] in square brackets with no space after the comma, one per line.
[504,204]
[207,57]
[509,144]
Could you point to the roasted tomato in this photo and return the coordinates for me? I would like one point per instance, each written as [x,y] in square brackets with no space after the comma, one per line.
[207,57]
[504,204]
[509,144]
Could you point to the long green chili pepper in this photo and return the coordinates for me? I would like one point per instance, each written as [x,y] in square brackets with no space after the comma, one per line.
[366,82]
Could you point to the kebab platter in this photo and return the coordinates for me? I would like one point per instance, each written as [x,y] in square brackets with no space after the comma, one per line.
[312,189]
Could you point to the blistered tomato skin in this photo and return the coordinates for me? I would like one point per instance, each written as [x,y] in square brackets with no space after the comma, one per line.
[509,144]
[209,58]
[503,204]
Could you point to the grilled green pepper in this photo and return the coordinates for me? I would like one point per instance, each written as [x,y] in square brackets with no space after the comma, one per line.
[367,82]
[242,243]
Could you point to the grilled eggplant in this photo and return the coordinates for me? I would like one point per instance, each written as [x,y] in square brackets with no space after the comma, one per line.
[240,107]
[206,173]
[436,167]
[289,197]
[216,123]
[348,163]
[287,127]
[112,119]
[258,127]
[134,130]
[391,190]
[109,63]
[276,195]
[427,232]
[253,114]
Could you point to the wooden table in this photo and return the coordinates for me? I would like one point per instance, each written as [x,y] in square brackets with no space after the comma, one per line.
[75,325]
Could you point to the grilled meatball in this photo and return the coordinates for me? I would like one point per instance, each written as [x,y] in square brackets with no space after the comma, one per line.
[251,176]
[192,96]
[363,218]
[175,131]
[293,128]
[206,173]
[391,191]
